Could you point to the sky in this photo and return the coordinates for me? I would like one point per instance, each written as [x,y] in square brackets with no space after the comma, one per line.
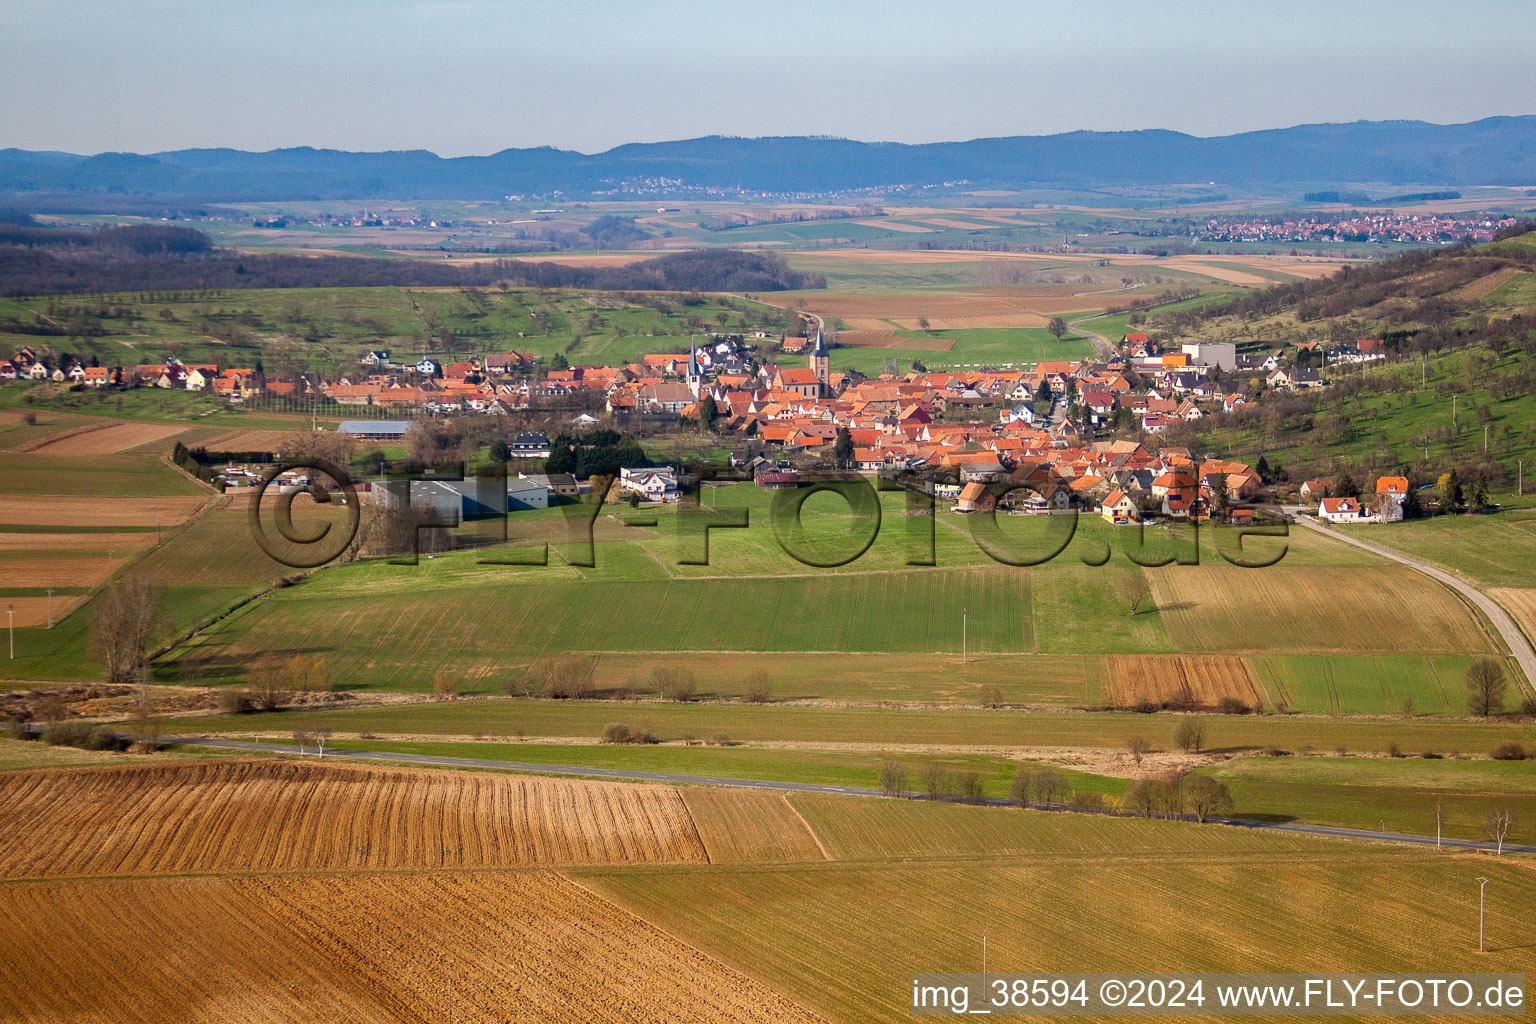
[476,76]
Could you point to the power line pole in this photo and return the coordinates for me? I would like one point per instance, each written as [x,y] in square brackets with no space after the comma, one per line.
[1481,888]
[10,613]
[962,635]
[50,607]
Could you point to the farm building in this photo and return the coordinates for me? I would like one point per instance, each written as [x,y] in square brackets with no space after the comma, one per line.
[455,501]
[375,430]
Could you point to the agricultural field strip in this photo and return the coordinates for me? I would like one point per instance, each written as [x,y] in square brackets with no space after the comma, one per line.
[1508,630]
[793,787]
[360,947]
[219,816]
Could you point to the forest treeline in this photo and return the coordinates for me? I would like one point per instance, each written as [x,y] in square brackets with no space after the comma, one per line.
[37,260]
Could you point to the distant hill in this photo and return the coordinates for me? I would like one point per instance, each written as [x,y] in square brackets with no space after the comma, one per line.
[1493,151]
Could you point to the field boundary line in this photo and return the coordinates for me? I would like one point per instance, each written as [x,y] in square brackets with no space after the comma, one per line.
[725,965]
[814,837]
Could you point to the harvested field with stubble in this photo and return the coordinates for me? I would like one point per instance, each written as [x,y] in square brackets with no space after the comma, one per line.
[1200,679]
[287,816]
[838,939]
[359,948]
[1301,610]
[48,510]
[1521,605]
[741,826]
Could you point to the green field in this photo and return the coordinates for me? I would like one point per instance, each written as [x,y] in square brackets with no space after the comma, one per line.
[1490,551]
[892,726]
[1399,795]
[991,347]
[125,476]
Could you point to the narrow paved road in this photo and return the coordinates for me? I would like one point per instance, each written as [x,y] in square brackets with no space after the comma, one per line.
[1516,640]
[1107,348]
[796,787]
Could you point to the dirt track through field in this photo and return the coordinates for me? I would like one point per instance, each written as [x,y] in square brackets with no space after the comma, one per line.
[280,815]
[515,946]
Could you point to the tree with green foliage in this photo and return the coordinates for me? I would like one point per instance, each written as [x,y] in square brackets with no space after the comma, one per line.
[1449,486]
[1057,327]
[708,412]
[1345,486]
[1262,468]
[1477,495]
[842,448]
[559,362]
[1043,392]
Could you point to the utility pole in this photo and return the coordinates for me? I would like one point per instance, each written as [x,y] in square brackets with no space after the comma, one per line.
[1453,412]
[962,635]
[10,613]
[983,964]
[50,607]
[1482,885]
[1439,822]
[1520,479]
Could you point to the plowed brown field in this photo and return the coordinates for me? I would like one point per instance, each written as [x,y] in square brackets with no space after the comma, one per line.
[514,946]
[58,572]
[33,611]
[108,439]
[48,510]
[283,815]
[741,826]
[1189,678]
[248,440]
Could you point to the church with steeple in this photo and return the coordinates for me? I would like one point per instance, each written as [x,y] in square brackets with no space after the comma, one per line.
[695,369]
[821,362]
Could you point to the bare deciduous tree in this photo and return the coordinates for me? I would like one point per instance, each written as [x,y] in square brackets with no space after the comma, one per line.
[759,688]
[319,446]
[893,778]
[1133,589]
[124,623]
[321,736]
[1189,734]
[266,680]
[1139,746]
[1022,789]
[1485,687]
[935,780]
[569,678]
[1499,821]
[1208,797]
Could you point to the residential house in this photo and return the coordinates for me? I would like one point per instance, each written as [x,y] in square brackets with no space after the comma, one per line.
[650,484]
[1391,493]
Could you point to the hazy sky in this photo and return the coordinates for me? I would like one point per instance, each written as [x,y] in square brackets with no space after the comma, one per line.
[477,76]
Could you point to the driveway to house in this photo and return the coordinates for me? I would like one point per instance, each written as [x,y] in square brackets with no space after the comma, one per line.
[1516,640]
